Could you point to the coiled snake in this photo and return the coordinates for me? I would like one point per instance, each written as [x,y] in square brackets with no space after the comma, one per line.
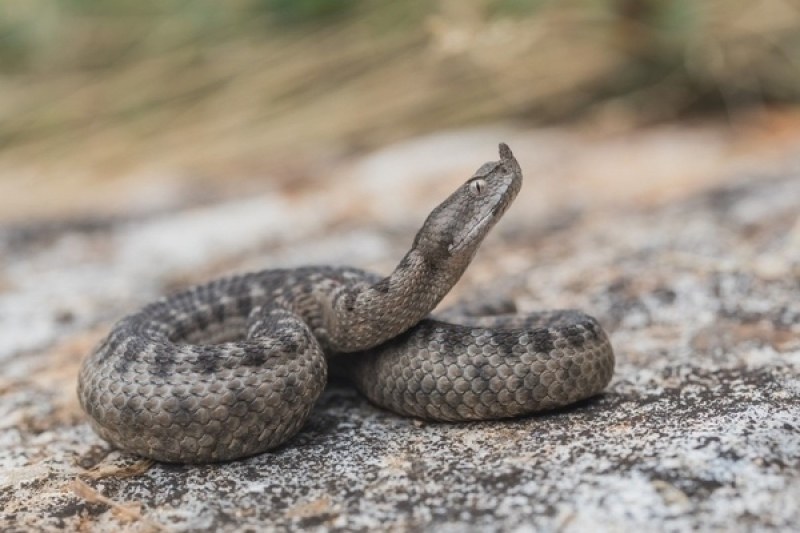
[232,368]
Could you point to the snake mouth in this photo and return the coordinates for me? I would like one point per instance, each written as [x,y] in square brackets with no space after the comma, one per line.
[478,227]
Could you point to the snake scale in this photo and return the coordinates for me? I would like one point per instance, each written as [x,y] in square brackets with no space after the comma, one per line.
[232,368]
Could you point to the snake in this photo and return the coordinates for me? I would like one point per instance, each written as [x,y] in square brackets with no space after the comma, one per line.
[232,368]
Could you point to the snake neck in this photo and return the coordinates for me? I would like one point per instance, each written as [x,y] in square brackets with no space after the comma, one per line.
[361,317]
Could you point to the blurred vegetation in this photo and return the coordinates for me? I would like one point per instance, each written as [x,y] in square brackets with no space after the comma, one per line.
[364,72]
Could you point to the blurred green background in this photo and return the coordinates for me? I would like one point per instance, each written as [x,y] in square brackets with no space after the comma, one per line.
[98,86]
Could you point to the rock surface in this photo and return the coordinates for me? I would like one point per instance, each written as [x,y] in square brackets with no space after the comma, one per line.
[684,243]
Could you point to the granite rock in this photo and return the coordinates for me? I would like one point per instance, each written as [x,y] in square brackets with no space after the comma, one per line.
[698,284]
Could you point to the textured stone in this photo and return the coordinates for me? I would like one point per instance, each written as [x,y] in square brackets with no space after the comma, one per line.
[699,429]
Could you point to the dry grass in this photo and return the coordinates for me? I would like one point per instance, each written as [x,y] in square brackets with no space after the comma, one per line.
[207,92]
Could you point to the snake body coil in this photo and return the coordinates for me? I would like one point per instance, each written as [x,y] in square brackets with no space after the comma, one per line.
[232,368]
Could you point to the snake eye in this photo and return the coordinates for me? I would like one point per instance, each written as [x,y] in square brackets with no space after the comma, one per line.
[476,187]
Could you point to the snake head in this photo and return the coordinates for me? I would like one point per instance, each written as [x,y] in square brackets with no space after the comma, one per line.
[458,225]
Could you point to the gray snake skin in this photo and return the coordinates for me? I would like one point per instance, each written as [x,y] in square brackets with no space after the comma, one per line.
[232,368]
